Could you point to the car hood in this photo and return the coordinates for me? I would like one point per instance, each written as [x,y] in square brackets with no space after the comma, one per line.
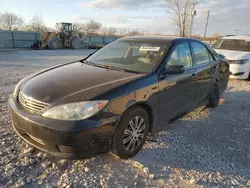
[234,55]
[74,82]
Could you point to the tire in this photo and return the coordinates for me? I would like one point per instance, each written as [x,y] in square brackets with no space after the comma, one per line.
[75,43]
[126,142]
[54,43]
[214,97]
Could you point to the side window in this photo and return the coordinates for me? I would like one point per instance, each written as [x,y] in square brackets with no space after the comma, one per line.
[181,56]
[200,53]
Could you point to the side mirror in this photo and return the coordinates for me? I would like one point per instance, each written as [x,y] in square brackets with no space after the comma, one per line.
[174,69]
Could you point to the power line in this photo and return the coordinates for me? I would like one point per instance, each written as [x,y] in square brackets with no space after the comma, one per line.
[205,33]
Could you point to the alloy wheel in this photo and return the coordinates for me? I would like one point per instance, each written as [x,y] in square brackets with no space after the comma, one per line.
[134,133]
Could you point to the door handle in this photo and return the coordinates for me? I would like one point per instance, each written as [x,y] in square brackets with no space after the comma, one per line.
[193,76]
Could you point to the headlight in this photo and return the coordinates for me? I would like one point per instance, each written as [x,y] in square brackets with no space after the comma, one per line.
[242,61]
[75,111]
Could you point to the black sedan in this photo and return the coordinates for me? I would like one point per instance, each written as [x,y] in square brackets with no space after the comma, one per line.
[112,99]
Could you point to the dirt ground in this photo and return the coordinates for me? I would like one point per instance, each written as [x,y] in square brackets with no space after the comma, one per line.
[205,148]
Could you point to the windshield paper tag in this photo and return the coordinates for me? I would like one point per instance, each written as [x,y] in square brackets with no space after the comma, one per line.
[150,48]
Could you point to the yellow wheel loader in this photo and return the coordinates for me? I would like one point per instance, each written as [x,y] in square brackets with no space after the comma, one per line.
[65,37]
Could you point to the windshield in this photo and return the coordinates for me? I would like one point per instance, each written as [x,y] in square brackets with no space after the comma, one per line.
[136,56]
[232,44]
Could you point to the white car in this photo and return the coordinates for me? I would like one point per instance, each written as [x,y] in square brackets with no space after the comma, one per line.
[237,50]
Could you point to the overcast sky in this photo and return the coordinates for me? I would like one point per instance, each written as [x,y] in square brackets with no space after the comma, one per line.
[145,15]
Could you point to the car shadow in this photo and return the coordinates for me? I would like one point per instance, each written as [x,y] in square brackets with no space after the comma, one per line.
[205,140]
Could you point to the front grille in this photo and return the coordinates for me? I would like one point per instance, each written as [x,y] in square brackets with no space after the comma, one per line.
[66,149]
[37,140]
[30,104]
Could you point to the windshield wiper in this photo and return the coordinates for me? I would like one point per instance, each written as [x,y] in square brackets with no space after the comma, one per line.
[90,63]
[132,71]
[110,67]
[100,65]
[119,69]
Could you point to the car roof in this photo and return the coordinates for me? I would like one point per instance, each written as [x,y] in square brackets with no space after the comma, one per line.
[152,38]
[237,37]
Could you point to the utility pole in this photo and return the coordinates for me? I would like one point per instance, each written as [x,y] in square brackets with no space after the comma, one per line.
[193,13]
[208,14]
[237,31]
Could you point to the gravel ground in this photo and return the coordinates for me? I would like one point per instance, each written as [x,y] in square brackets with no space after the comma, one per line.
[205,148]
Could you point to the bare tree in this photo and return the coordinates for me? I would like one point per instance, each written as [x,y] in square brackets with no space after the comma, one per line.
[111,31]
[79,27]
[92,27]
[103,31]
[10,21]
[133,33]
[181,11]
[123,32]
[36,24]
[215,35]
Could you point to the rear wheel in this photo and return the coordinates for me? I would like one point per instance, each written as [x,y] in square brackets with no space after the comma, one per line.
[214,97]
[131,133]
[75,43]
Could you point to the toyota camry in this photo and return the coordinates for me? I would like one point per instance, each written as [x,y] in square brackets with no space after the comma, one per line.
[115,97]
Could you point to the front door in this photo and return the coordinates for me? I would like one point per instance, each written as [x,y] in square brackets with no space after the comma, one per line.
[204,62]
[177,91]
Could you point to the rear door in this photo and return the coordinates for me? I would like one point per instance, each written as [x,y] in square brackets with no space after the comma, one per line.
[177,91]
[206,67]
[222,72]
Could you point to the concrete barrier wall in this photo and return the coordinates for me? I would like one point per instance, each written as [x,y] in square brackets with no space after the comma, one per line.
[22,39]
[99,41]
[18,39]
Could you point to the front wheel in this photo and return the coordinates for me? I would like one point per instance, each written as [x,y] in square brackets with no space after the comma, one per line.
[214,97]
[54,43]
[131,133]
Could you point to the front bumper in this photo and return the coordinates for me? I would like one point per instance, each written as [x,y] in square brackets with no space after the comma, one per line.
[64,139]
[240,71]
